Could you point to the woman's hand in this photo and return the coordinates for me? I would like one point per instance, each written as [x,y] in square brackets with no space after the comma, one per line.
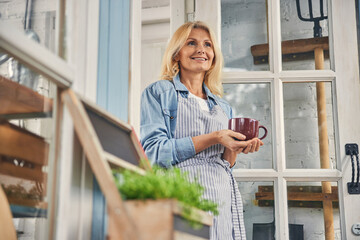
[253,145]
[234,141]
[230,140]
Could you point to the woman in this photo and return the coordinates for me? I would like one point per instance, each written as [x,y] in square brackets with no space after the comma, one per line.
[184,123]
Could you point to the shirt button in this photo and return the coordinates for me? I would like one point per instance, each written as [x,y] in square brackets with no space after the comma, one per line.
[171,117]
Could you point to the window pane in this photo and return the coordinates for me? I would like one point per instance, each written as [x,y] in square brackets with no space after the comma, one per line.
[243,25]
[307,145]
[258,201]
[26,144]
[301,37]
[37,19]
[253,101]
[310,203]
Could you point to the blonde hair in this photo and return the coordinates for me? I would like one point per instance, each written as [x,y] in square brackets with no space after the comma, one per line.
[170,67]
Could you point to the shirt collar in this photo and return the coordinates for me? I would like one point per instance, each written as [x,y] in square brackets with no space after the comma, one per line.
[179,86]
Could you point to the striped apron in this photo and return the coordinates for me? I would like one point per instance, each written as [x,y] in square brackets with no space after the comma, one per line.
[210,170]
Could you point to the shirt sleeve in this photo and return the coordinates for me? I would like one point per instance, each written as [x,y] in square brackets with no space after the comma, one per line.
[159,146]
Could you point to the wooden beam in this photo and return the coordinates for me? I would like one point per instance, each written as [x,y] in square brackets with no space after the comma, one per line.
[293,46]
[324,144]
[18,99]
[296,204]
[300,196]
[125,228]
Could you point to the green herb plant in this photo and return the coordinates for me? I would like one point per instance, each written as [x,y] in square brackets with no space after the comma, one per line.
[160,183]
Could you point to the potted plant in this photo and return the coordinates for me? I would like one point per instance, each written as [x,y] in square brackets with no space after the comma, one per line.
[164,204]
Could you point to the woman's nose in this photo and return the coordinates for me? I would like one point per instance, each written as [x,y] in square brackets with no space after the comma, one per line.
[200,50]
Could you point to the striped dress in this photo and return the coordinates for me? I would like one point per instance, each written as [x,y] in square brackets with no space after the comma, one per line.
[210,169]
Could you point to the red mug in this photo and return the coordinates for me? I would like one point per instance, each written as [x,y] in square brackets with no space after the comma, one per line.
[247,126]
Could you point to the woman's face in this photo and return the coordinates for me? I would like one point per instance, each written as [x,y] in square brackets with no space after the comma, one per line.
[197,54]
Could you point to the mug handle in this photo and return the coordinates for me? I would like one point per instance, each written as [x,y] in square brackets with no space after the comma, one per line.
[265,134]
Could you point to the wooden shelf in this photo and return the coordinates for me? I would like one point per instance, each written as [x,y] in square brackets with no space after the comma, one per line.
[292,50]
[18,101]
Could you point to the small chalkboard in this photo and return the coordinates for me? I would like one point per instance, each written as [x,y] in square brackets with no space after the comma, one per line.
[116,137]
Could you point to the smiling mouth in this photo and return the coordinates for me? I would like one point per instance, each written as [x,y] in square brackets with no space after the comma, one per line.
[199,58]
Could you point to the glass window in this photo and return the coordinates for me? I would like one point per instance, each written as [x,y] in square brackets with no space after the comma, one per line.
[304,27]
[35,18]
[309,125]
[258,202]
[244,25]
[253,101]
[317,201]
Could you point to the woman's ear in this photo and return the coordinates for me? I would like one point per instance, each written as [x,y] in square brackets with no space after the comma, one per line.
[176,58]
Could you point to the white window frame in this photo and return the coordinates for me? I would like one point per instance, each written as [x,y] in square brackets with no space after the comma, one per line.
[135,66]
[346,68]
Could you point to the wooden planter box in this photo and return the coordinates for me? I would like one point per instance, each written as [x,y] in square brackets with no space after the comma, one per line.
[162,220]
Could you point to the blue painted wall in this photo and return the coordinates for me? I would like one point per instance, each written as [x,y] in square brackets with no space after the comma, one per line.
[113,73]
[113,83]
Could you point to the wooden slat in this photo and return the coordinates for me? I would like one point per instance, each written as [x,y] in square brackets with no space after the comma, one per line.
[125,228]
[118,162]
[20,143]
[22,172]
[18,99]
[293,46]
[311,189]
[297,204]
[302,196]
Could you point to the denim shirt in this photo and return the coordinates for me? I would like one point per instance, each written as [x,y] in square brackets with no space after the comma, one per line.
[158,122]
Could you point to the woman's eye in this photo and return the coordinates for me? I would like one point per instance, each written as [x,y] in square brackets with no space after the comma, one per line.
[191,43]
[208,44]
